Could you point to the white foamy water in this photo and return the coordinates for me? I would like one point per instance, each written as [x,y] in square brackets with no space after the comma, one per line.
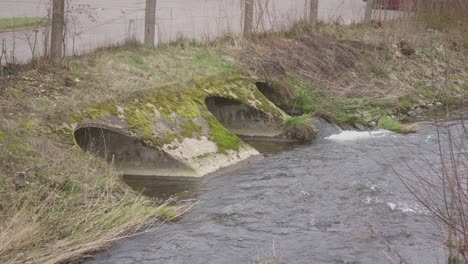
[357,135]
[407,208]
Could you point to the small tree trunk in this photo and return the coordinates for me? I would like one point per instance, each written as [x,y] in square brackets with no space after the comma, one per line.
[58,25]
[248,17]
[369,9]
[313,15]
[150,22]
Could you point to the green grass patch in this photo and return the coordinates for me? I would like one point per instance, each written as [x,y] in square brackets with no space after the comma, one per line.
[167,213]
[300,127]
[345,118]
[308,96]
[388,123]
[298,120]
[206,58]
[428,91]
[140,63]
[20,23]
[344,111]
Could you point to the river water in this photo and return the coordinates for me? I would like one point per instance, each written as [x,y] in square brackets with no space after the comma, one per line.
[337,200]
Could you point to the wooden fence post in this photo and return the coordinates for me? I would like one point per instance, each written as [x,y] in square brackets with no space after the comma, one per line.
[58,25]
[248,17]
[313,15]
[150,22]
[369,10]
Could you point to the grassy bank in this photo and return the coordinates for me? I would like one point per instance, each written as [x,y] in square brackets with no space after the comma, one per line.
[359,74]
[58,203]
[21,23]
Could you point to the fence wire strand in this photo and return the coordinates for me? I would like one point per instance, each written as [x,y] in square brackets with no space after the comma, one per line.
[25,24]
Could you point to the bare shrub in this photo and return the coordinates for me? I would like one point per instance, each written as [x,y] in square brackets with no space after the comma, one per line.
[442,187]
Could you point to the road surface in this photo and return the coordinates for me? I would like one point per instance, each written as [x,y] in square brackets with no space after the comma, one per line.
[97,23]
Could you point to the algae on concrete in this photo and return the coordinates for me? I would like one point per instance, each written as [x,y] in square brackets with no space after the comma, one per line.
[164,118]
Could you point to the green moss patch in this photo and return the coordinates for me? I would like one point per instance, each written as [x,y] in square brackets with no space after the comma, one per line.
[388,123]
[100,111]
[223,137]
[139,122]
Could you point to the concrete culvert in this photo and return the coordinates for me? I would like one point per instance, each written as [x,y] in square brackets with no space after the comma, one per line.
[129,155]
[242,119]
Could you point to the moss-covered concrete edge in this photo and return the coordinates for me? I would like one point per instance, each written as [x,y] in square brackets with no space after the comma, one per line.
[167,117]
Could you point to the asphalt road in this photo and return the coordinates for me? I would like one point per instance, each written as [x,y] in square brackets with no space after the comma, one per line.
[97,23]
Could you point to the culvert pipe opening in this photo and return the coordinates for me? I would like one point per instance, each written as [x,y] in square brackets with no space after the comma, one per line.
[242,119]
[130,155]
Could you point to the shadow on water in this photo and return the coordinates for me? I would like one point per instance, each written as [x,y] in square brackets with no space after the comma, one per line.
[164,188]
[187,188]
[268,148]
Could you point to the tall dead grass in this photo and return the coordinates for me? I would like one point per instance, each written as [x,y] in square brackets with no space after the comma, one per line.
[442,14]
[58,204]
[421,18]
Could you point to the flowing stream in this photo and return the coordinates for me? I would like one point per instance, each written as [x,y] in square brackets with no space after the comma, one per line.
[337,200]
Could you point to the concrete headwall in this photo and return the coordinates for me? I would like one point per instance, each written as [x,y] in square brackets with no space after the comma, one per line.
[179,132]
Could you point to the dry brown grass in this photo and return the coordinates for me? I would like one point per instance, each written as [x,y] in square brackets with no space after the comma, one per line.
[383,61]
[58,204]
[328,62]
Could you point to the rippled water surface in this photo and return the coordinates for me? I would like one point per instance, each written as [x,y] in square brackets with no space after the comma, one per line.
[337,200]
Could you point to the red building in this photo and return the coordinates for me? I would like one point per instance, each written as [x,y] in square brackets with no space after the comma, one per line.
[393,4]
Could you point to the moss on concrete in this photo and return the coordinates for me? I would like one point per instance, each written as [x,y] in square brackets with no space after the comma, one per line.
[225,140]
[190,130]
[180,106]
[139,122]
[99,111]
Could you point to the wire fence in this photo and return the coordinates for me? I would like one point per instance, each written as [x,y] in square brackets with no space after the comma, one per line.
[25,24]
